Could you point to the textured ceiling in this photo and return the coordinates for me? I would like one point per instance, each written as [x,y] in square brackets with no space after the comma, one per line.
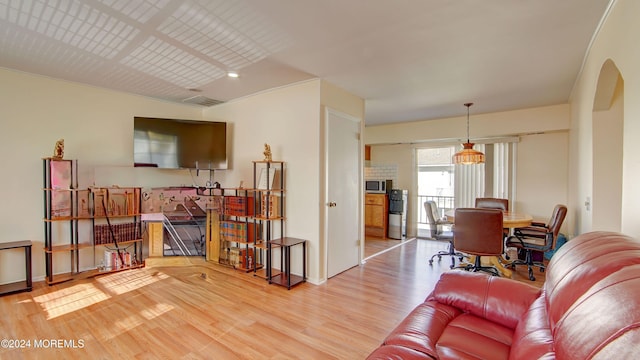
[410,59]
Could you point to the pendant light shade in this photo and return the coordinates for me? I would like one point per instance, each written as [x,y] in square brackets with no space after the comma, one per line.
[468,155]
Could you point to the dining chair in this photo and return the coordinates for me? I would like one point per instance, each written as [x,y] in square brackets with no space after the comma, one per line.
[537,237]
[496,203]
[436,223]
[478,232]
[492,203]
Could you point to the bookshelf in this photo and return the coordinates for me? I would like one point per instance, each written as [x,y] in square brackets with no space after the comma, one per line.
[269,194]
[247,230]
[238,230]
[80,222]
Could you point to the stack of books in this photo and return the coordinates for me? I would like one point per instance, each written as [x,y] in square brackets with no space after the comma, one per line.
[238,231]
[269,206]
[121,232]
[238,205]
[113,260]
[241,258]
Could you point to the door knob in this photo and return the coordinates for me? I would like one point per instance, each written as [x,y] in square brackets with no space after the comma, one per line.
[332,204]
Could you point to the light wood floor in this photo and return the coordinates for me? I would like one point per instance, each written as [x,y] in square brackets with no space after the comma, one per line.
[207,311]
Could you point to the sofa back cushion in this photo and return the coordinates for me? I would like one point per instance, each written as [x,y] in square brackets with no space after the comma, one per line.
[490,298]
[592,289]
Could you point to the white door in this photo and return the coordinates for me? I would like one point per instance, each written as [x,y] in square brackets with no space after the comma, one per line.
[342,210]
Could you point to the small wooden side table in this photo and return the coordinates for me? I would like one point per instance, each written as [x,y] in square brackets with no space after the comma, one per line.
[285,278]
[19,286]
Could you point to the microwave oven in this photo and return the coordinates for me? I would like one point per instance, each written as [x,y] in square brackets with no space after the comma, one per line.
[377,186]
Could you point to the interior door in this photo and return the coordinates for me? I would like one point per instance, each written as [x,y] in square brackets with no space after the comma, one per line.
[342,214]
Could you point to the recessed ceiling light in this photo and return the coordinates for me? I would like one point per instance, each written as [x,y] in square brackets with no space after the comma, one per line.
[232,74]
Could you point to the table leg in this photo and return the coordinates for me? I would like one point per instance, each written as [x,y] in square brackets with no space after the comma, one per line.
[495,261]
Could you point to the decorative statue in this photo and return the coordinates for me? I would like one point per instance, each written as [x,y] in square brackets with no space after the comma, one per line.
[58,150]
[267,152]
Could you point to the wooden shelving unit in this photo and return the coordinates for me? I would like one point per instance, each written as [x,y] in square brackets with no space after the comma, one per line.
[251,226]
[79,213]
[269,189]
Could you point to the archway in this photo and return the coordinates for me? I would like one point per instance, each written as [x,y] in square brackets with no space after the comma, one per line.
[608,128]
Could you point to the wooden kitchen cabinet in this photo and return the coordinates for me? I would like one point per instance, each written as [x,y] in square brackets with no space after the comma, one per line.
[376,215]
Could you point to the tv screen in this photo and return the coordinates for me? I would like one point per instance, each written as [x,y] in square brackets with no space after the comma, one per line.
[174,144]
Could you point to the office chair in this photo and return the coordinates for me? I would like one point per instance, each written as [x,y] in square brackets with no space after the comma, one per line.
[537,237]
[493,203]
[478,232]
[435,226]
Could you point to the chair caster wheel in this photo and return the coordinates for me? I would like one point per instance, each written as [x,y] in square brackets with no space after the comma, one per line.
[531,277]
[460,258]
[541,270]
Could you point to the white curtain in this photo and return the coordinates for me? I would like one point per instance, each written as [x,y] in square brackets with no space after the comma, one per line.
[501,170]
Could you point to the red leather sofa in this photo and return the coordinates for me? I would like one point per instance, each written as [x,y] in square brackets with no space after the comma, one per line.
[588,308]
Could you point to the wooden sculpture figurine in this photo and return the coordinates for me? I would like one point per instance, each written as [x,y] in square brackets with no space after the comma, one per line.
[58,150]
[267,152]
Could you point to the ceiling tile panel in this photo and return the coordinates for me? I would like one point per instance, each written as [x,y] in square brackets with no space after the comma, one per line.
[165,61]
[140,11]
[72,24]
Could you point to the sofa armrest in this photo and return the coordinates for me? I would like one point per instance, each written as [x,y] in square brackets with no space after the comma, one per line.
[500,300]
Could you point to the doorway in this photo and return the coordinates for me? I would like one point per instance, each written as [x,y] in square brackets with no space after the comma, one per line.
[608,139]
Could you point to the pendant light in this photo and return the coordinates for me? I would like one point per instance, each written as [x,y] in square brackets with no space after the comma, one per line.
[468,156]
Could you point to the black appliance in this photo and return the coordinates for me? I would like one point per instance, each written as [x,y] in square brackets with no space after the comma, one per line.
[398,213]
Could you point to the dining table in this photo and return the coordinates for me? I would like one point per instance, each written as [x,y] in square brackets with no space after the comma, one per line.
[510,220]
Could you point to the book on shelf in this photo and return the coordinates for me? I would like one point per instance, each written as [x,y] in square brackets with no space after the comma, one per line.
[240,257]
[114,261]
[121,232]
[269,206]
[238,205]
[234,256]
[238,231]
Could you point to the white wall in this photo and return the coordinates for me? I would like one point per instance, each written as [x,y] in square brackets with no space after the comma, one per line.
[290,119]
[97,126]
[617,41]
[533,120]
[541,175]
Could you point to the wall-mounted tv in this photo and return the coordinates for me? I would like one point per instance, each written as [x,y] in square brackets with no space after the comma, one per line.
[174,144]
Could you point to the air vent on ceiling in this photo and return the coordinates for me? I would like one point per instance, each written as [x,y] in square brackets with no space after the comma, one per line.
[202,100]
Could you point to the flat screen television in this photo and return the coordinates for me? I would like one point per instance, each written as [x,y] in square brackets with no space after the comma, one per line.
[175,144]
